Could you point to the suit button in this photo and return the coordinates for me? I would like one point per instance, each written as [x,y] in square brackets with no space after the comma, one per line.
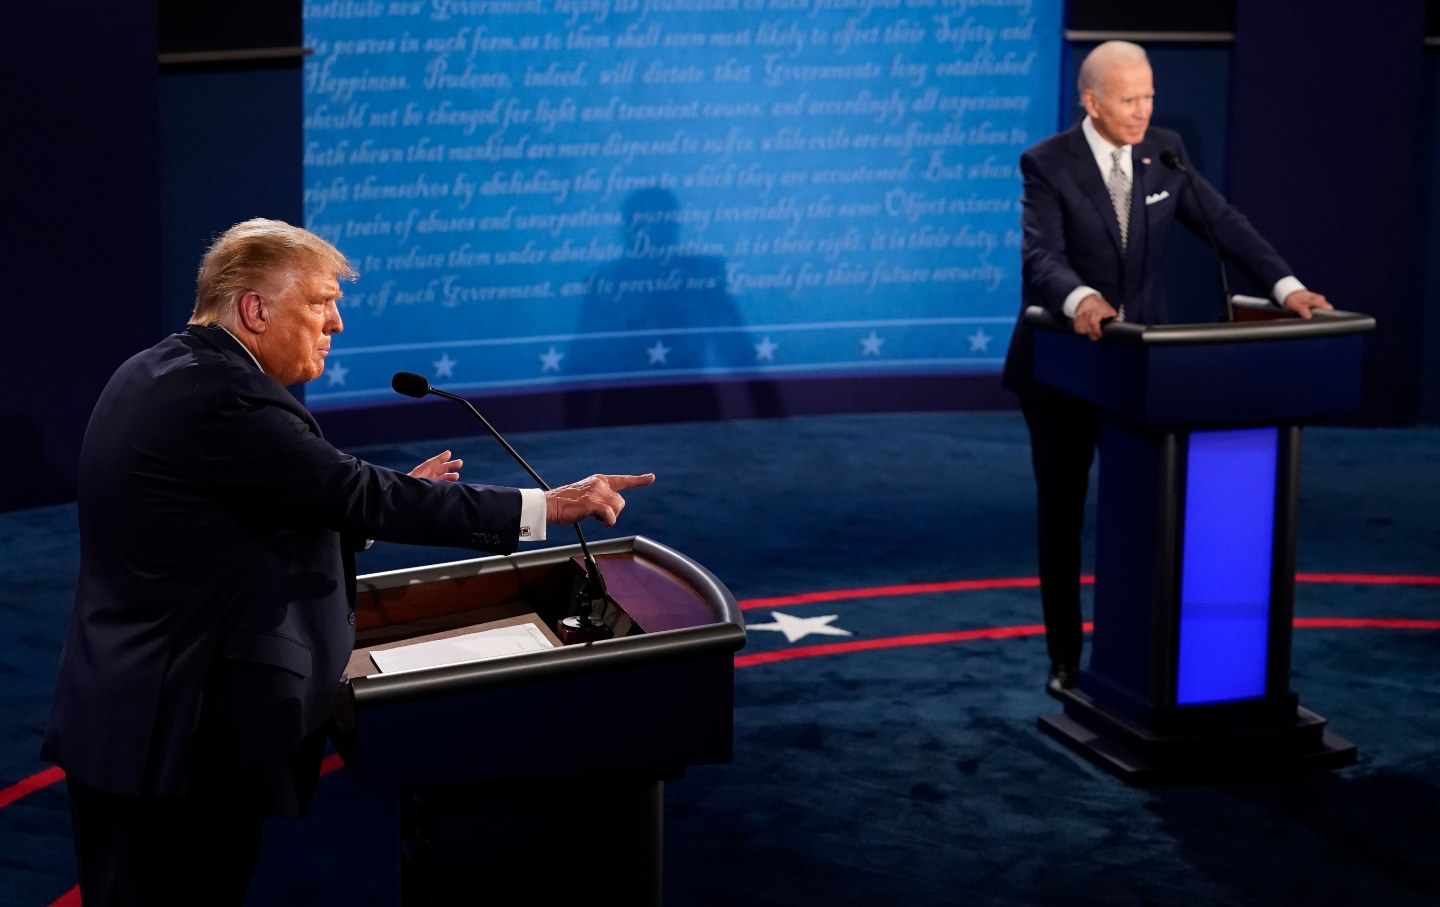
[351,617]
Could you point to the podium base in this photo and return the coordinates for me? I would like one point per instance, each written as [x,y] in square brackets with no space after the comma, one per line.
[1141,755]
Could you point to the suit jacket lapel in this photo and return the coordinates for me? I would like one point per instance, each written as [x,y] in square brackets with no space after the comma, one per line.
[1092,183]
[1142,157]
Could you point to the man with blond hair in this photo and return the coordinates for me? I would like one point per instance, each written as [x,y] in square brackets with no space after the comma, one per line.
[214,610]
[1100,202]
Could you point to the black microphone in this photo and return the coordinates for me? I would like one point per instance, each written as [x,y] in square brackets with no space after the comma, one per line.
[1227,309]
[582,626]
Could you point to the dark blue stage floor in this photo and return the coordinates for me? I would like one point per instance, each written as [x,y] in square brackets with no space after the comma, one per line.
[886,748]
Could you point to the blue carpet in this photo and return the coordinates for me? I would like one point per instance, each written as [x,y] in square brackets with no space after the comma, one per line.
[909,774]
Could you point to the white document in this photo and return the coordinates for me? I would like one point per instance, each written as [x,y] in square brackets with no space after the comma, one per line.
[483,644]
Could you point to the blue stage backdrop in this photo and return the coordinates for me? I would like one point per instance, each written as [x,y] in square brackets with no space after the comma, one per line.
[550,194]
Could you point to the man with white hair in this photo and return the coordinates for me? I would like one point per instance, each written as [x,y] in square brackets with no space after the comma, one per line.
[1100,201]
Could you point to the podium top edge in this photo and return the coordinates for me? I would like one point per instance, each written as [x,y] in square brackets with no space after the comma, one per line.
[705,583]
[388,579]
[1325,323]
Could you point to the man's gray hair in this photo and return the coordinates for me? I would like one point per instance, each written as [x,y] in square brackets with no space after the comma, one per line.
[1102,58]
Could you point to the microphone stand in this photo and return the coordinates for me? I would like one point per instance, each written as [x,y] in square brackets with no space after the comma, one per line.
[582,626]
[1227,307]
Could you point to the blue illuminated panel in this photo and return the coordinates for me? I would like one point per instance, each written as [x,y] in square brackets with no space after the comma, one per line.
[1226,565]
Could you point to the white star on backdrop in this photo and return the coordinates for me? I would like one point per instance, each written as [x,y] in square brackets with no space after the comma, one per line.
[980,341]
[550,360]
[870,346]
[444,366]
[765,350]
[658,352]
[336,373]
[800,627]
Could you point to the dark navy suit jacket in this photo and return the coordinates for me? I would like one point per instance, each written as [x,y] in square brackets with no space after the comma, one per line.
[1072,237]
[214,607]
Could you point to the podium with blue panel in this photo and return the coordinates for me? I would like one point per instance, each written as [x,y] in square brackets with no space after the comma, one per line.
[1189,672]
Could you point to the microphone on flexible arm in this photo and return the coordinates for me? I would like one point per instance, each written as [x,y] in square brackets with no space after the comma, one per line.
[582,626]
[1172,160]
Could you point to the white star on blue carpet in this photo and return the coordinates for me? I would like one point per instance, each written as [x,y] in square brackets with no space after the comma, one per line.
[800,627]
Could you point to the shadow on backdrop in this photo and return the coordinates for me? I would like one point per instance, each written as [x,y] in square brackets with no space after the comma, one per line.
[662,313]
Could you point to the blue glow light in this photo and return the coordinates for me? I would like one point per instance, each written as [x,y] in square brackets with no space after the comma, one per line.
[1226,565]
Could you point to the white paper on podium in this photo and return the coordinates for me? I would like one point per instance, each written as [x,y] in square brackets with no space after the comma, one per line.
[476,646]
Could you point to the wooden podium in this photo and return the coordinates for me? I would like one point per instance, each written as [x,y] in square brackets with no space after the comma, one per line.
[540,771]
[1189,673]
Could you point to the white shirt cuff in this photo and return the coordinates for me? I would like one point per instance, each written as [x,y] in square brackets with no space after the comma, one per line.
[1283,288]
[1072,302]
[532,515]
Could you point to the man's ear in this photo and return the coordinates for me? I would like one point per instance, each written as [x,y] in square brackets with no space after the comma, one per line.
[253,315]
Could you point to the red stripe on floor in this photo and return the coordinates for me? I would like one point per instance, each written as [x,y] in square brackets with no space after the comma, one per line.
[70,898]
[893,642]
[30,785]
[49,776]
[835,595]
